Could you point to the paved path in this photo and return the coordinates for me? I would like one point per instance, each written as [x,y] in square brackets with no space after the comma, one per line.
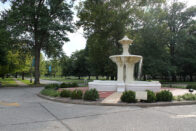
[22,110]
[47,81]
[19,82]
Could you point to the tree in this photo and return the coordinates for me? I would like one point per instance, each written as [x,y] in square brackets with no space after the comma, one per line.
[104,24]
[178,18]
[150,41]
[79,64]
[185,53]
[4,47]
[42,24]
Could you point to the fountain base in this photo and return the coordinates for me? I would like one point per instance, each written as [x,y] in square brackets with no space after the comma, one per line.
[99,85]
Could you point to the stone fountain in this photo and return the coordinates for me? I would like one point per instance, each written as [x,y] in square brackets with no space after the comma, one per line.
[125,73]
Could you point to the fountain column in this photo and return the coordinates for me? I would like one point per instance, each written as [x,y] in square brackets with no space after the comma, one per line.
[119,71]
[129,72]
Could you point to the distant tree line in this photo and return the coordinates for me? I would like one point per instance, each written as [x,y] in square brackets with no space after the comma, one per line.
[164,34]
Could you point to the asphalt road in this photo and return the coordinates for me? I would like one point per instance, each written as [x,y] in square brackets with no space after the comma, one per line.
[22,110]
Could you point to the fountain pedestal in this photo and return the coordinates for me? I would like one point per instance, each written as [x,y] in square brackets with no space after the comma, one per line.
[125,73]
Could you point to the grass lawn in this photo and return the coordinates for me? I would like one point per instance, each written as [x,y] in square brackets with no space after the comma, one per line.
[178,82]
[25,81]
[8,82]
[70,79]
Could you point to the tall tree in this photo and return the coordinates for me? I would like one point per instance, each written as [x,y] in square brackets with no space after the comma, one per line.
[42,23]
[178,18]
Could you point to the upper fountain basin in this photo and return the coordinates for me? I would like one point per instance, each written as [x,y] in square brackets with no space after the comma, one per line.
[126,58]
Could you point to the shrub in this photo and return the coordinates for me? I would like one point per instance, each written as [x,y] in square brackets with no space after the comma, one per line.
[164,96]
[91,95]
[76,94]
[52,86]
[151,97]
[128,96]
[50,92]
[191,86]
[65,93]
[67,85]
[187,96]
[74,84]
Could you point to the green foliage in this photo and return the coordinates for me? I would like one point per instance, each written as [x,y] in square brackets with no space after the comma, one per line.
[50,92]
[128,96]
[187,96]
[91,95]
[44,26]
[164,96]
[65,93]
[8,82]
[191,86]
[52,86]
[151,96]
[68,85]
[76,94]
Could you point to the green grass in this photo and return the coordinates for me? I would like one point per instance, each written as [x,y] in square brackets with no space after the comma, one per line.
[25,81]
[178,82]
[70,79]
[187,96]
[8,82]
[50,92]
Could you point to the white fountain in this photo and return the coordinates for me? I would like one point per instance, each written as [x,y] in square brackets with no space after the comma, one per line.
[125,73]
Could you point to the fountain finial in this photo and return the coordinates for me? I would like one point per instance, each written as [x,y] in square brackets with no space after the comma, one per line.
[125,44]
[125,40]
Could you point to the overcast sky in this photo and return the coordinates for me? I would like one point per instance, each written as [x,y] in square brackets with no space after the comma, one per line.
[77,41]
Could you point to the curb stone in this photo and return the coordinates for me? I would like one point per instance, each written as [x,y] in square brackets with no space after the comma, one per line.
[67,100]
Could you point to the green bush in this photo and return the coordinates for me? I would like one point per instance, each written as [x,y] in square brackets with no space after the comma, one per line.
[91,95]
[65,93]
[191,86]
[76,94]
[187,96]
[128,96]
[50,92]
[164,96]
[151,97]
[67,85]
[52,86]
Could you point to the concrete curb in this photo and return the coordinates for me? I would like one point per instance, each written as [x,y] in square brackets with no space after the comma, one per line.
[67,100]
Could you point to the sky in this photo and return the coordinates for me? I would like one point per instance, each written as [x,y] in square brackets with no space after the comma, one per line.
[77,41]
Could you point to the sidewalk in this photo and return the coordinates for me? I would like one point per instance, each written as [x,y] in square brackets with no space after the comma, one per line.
[19,82]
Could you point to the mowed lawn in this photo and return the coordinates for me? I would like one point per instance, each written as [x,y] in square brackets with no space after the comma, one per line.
[8,82]
[27,82]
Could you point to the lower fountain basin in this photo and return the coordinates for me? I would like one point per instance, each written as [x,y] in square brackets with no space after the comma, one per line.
[99,85]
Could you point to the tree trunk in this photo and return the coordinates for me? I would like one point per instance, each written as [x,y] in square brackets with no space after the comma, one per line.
[16,75]
[89,77]
[37,64]
[191,77]
[107,77]
[184,77]
[97,77]
[112,77]
[23,75]
[173,77]
[144,77]
[79,77]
